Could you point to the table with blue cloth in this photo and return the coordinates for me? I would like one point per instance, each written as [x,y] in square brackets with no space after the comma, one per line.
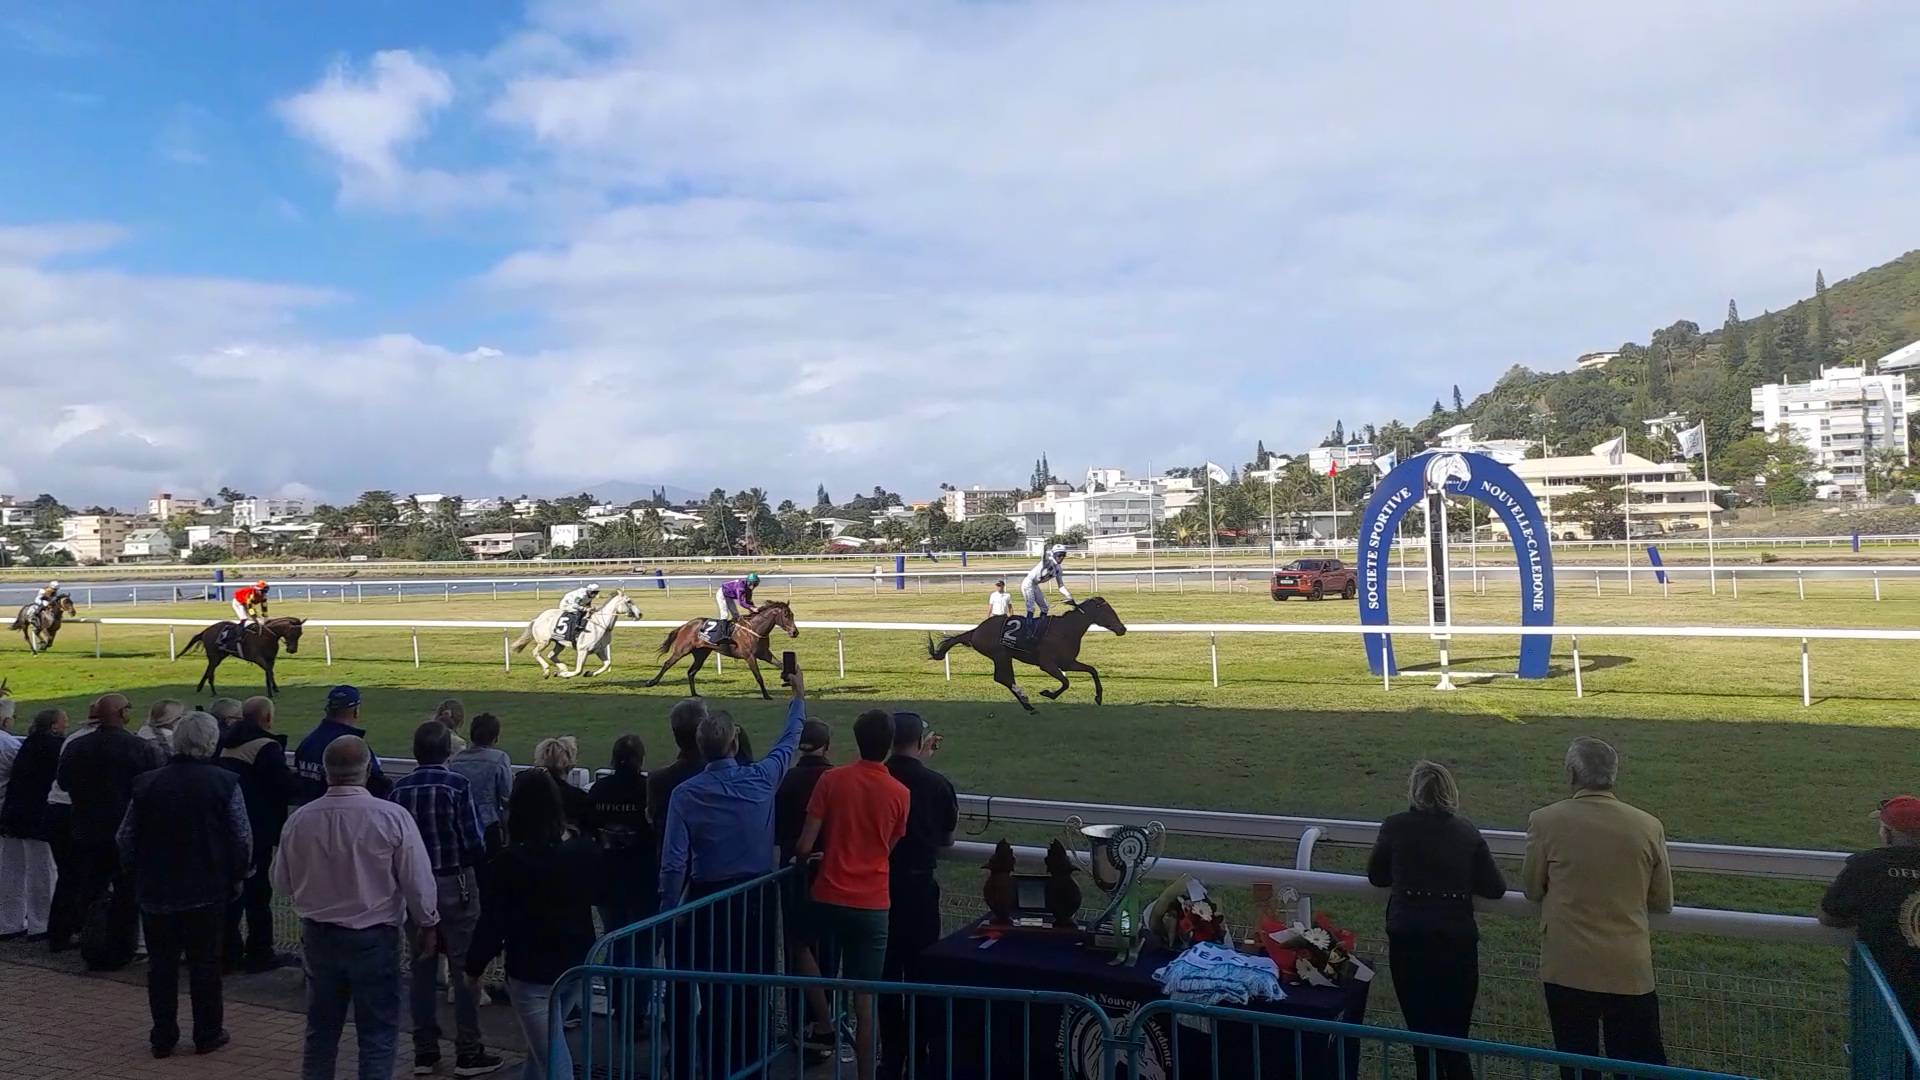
[980,1041]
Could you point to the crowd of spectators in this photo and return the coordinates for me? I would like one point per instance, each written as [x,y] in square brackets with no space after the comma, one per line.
[181,834]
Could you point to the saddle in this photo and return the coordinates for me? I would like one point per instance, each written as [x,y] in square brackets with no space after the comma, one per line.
[568,627]
[1022,633]
[229,642]
[717,631]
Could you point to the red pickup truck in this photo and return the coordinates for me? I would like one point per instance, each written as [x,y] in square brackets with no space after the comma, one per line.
[1314,579]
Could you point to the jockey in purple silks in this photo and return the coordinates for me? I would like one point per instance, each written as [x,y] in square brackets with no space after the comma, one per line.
[731,598]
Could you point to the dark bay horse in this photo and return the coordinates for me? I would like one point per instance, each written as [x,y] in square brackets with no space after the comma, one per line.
[259,645]
[1057,651]
[43,626]
[748,642]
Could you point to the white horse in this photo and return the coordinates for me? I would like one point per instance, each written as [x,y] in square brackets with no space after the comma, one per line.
[594,639]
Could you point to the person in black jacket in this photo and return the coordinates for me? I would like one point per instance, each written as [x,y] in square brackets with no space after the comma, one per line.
[186,841]
[1436,862]
[629,857]
[26,854]
[540,911]
[97,773]
[684,720]
[251,750]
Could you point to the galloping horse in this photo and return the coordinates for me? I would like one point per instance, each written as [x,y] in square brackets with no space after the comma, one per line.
[748,642]
[259,645]
[595,637]
[42,626]
[1057,650]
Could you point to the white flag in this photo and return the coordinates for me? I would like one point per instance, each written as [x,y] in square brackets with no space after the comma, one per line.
[1385,462]
[1215,473]
[1693,441]
[1614,450]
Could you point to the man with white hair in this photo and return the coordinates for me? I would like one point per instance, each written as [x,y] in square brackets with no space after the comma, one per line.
[1597,867]
[187,844]
[355,869]
[1877,894]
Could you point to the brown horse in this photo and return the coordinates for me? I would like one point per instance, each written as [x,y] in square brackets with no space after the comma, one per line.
[259,645]
[748,642]
[1057,650]
[42,626]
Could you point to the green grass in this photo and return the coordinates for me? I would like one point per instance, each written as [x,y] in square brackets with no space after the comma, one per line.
[1713,736]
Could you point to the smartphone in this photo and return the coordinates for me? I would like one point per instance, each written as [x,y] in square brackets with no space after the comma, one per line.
[788,665]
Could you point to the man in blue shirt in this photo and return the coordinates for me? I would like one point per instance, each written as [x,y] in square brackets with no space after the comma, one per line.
[719,834]
[309,767]
[441,803]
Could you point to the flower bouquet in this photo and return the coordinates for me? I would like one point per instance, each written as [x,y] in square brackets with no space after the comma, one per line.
[1321,956]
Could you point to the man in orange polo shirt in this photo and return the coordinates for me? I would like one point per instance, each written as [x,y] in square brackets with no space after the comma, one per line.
[857,813]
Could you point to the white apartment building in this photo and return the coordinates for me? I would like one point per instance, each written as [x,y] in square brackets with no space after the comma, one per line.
[1350,456]
[147,544]
[1106,513]
[963,503]
[165,504]
[13,515]
[1664,497]
[1840,418]
[263,510]
[96,538]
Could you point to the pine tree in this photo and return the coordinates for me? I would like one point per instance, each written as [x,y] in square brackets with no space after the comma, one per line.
[821,498]
[1822,321]
[1792,343]
[1733,338]
[1459,403]
[1260,453]
[1339,436]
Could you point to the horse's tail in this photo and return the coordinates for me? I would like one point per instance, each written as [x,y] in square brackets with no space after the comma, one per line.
[197,639]
[938,650]
[666,646]
[19,622]
[525,639]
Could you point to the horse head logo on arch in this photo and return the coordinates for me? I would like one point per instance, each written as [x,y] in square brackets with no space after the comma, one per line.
[1479,477]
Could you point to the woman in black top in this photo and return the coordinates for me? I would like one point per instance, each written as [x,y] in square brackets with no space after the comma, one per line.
[627,849]
[26,824]
[1436,862]
[558,757]
[540,911]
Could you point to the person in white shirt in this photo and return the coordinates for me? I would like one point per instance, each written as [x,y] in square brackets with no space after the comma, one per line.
[1050,568]
[998,602]
[575,606]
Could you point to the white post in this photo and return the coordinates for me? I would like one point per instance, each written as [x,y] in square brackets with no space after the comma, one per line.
[96,641]
[357,597]
[1800,579]
[446,595]
[1736,584]
[326,639]
[1579,690]
[840,649]
[1626,501]
[1665,580]
[416,646]
[1806,676]
[949,662]
[1876,586]
[135,601]
[309,594]
[1706,473]
[496,590]
[1212,536]
[506,650]
[1213,651]
[1596,583]
[172,652]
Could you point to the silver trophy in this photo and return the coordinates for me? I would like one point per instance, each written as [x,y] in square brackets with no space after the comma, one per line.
[1118,857]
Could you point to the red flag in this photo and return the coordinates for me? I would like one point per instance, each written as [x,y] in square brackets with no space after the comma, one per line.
[1332,468]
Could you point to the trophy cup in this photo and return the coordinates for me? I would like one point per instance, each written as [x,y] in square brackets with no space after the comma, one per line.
[1118,858]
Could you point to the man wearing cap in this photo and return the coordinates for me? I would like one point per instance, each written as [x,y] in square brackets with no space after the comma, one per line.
[999,604]
[913,920]
[1597,867]
[1877,894]
[309,764]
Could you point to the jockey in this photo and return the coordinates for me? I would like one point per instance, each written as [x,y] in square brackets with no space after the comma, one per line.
[46,598]
[575,607]
[250,602]
[731,597]
[1050,568]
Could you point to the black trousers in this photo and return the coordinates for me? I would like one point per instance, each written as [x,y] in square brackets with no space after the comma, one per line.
[1630,1024]
[729,1028]
[63,916]
[90,869]
[197,934]
[1436,980]
[913,926]
[254,907]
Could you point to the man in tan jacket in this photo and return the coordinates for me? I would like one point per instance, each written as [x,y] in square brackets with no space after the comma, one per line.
[1597,867]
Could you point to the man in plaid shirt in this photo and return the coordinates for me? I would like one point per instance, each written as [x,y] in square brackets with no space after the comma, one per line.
[441,802]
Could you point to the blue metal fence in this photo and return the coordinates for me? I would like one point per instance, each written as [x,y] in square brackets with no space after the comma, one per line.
[1881,1043]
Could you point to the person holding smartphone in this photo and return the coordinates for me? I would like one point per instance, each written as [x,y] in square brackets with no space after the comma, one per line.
[913,923]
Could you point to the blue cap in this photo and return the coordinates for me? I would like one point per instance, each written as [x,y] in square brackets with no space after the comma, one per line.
[342,697]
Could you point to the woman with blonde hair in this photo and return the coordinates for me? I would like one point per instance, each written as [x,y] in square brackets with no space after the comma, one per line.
[559,757]
[1435,862]
[454,715]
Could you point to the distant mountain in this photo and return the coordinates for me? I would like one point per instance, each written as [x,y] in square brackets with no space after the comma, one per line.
[1701,374]
[621,492]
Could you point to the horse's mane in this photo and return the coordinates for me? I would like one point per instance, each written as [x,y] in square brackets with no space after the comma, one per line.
[778,604]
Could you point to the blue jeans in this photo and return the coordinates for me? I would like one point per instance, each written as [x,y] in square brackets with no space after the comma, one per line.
[531,1001]
[361,967]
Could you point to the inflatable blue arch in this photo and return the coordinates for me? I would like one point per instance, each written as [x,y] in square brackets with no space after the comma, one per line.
[1476,476]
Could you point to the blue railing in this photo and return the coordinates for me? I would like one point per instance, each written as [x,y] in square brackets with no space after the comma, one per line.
[1882,1043]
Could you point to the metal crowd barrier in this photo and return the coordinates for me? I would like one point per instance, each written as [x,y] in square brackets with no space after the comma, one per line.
[1882,1043]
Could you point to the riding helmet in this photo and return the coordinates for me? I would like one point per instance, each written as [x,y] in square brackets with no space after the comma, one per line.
[753,579]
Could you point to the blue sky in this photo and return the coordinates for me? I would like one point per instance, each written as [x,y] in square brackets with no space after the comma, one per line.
[500,248]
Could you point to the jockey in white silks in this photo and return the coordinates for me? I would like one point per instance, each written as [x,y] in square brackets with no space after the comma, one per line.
[575,606]
[1051,569]
[44,599]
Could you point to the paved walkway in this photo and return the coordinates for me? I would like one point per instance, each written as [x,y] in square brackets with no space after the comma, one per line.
[57,1022]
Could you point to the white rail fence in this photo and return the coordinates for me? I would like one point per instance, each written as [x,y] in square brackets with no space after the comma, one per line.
[1805,636]
[983,811]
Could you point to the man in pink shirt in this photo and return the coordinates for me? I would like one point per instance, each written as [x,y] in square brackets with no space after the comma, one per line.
[355,869]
